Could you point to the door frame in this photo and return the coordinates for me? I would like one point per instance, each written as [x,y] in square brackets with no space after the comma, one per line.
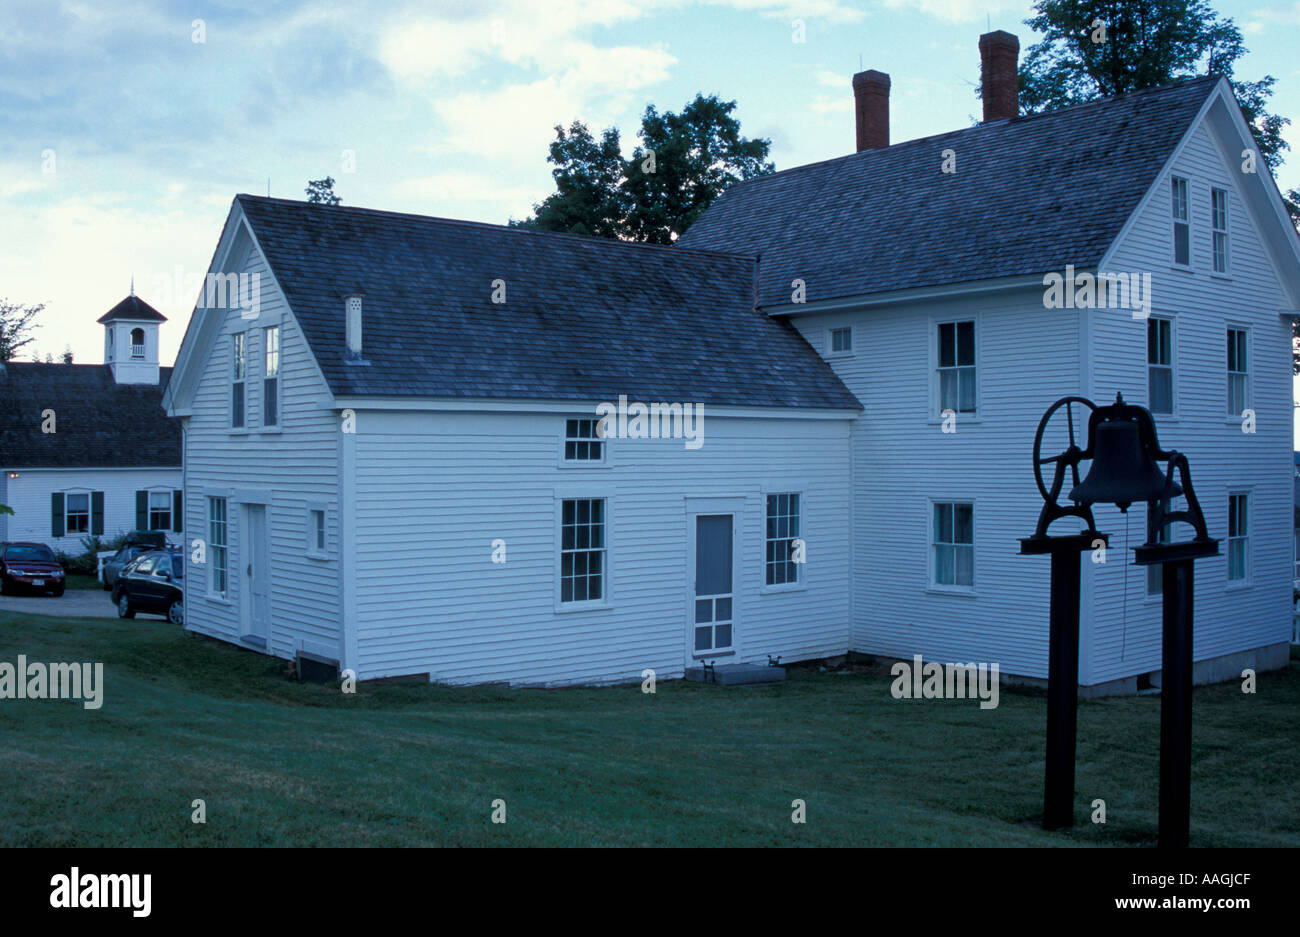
[705,506]
[247,551]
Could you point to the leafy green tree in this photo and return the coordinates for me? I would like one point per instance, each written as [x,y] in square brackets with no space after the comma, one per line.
[588,198]
[1099,48]
[682,164]
[16,324]
[321,191]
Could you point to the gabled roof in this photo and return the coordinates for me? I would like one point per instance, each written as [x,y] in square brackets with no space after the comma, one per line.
[584,318]
[135,309]
[98,422]
[1030,194]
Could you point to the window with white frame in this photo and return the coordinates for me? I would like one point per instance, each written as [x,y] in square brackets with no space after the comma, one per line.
[1219,229]
[316,531]
[271,376]
[1182,224]
[1238,537]
[954,543]
[956,370]
[238,372]
[842,340]
[160,510]
[582,550]
[783,537]
[582,443]
[137,343]
[1238,371]
[1160,364]
[77,513]
[217,544]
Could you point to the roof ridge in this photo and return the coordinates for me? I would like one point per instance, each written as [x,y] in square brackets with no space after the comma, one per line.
[413,216]
[1019,119]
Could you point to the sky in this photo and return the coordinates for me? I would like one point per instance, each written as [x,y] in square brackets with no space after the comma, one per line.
[126,127]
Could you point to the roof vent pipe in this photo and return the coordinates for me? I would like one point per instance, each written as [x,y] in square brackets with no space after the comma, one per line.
[353,309]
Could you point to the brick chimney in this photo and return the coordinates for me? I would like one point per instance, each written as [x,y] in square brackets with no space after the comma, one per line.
[871,105]
[999,83]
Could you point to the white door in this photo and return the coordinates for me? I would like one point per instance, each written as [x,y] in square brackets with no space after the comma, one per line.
[712,607]
[257,573]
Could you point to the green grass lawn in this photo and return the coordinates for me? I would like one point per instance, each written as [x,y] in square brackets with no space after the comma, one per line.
[74,581]
[281,763]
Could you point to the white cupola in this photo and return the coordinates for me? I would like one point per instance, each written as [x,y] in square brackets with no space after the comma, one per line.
[131,340]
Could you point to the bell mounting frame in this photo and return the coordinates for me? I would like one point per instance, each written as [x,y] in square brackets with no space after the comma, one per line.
[1070,457]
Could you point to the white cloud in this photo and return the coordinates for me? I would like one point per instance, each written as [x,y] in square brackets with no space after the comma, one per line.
[1287,14]
[957,11]
[829,79]
[465,186]
[829,10]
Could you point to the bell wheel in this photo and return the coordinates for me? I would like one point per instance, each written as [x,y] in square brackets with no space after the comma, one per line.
[1075,429]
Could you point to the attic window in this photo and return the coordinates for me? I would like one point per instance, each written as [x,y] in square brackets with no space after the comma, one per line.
[238,371]
[842,340]
[1182,227]
[1219,225]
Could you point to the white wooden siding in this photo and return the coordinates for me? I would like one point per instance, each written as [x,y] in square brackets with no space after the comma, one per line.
[296,465]
[435,490]
[29,496]
[1229,618]
[1027,356]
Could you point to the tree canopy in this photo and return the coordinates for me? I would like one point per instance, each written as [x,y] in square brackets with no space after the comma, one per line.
[321,191]
[16,324]
[683,162]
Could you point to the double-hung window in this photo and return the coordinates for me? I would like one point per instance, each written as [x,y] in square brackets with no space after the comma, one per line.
[1160,364]
[956,366]
[1219,229]
[77,515]
[954,544]
[238,372]
[582,550]
[783,536]
[217,544]
[1238,537]
[1182,224]
[842,340]
[160,510]
[1238,372]
[582,442]
[271,376]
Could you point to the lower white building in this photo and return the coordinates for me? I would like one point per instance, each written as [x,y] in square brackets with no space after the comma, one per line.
[87,450]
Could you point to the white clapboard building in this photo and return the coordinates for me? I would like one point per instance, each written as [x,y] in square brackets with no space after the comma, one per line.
[87,449]
[392,457]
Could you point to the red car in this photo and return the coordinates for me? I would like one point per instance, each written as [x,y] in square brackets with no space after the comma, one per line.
[30,567]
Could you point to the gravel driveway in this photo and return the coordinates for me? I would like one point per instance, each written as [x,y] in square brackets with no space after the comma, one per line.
[75,603]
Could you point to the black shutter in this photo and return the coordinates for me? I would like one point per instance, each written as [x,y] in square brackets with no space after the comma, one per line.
[56,514]
[97,513]
[178,508]
[142,510]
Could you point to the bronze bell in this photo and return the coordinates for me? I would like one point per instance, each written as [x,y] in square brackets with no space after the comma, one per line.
[1124,467]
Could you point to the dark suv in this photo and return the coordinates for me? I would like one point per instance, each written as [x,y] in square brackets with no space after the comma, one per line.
[30,567]
[153,582]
